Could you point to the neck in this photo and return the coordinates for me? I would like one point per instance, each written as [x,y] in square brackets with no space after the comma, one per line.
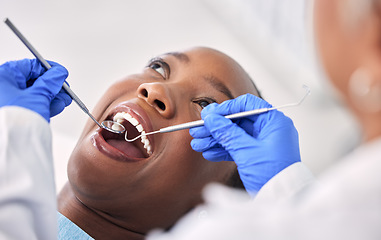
[96,224]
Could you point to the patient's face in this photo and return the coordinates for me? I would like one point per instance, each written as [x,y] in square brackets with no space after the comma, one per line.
[159,182]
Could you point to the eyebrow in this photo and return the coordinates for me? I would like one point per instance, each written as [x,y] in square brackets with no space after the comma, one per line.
[212,80]
[180,56]
[217,84]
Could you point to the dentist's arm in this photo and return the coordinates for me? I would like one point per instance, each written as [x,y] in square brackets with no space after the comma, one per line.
[261,146]
[28,208]
[29,96]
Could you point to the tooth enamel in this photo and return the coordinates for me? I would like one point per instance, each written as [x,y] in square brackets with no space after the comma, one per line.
[121,116]
[139,127]
[118,116]
[133,121]
[116,127]
[149,150]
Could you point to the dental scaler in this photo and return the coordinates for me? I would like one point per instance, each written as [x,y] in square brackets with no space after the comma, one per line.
[199,123]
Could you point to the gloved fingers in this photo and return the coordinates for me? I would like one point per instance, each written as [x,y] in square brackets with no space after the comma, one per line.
[57,65]
[32,69]
[52,63]
[270,122]
[56,107]
[217,154]
[229,135]
[64,97]
[199,132]
[221,128]
[211,108]
[232,137]
[58,104]
[247,125]
[50,83]
[202,144]
[16,73]
[27,71]
[240,104]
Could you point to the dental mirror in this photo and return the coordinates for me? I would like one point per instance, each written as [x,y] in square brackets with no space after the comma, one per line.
[108,125]
[112,126]
[231,116]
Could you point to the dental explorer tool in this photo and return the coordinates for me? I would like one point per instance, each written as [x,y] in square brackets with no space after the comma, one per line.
[199,123]
[108,125]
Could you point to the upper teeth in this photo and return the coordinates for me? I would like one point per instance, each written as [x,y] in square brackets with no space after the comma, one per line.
[119,118]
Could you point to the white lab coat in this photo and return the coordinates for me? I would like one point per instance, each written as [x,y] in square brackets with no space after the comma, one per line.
[28,208]
[344,204]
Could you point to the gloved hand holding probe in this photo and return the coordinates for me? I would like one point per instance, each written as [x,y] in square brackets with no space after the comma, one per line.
[27,84]
[261,145]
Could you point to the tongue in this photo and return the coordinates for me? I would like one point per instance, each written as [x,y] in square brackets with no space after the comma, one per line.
[128,148]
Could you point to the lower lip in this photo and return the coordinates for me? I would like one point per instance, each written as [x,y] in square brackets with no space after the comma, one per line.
[108,150]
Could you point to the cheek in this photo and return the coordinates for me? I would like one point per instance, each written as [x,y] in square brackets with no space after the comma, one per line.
[182,161]
[196,171]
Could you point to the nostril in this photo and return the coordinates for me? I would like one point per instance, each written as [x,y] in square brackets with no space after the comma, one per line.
[144,92]
[152,96]
[160,104]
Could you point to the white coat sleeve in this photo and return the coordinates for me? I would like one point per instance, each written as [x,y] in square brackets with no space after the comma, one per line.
[27,188]
[228,213]
[288,183]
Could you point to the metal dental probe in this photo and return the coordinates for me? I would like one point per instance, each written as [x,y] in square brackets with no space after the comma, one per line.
[199,123]
[65,86]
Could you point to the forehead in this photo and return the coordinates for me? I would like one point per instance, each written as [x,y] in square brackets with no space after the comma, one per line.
[215,67]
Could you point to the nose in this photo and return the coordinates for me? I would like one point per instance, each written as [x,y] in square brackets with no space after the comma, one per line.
[159,96]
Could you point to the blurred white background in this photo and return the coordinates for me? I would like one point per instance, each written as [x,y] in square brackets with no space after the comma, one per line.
[100,42]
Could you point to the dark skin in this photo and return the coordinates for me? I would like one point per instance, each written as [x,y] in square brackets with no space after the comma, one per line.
[114,197]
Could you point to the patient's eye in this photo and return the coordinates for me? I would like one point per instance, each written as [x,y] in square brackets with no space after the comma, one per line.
[204,102]
[159,66]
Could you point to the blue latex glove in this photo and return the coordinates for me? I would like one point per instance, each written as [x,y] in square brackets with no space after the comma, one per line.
[261,145]
[26,83]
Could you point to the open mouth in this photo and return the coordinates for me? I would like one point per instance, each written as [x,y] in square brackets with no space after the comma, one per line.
[134,125]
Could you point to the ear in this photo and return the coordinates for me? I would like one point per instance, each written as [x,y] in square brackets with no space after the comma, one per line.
[371,41]
[364,87]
